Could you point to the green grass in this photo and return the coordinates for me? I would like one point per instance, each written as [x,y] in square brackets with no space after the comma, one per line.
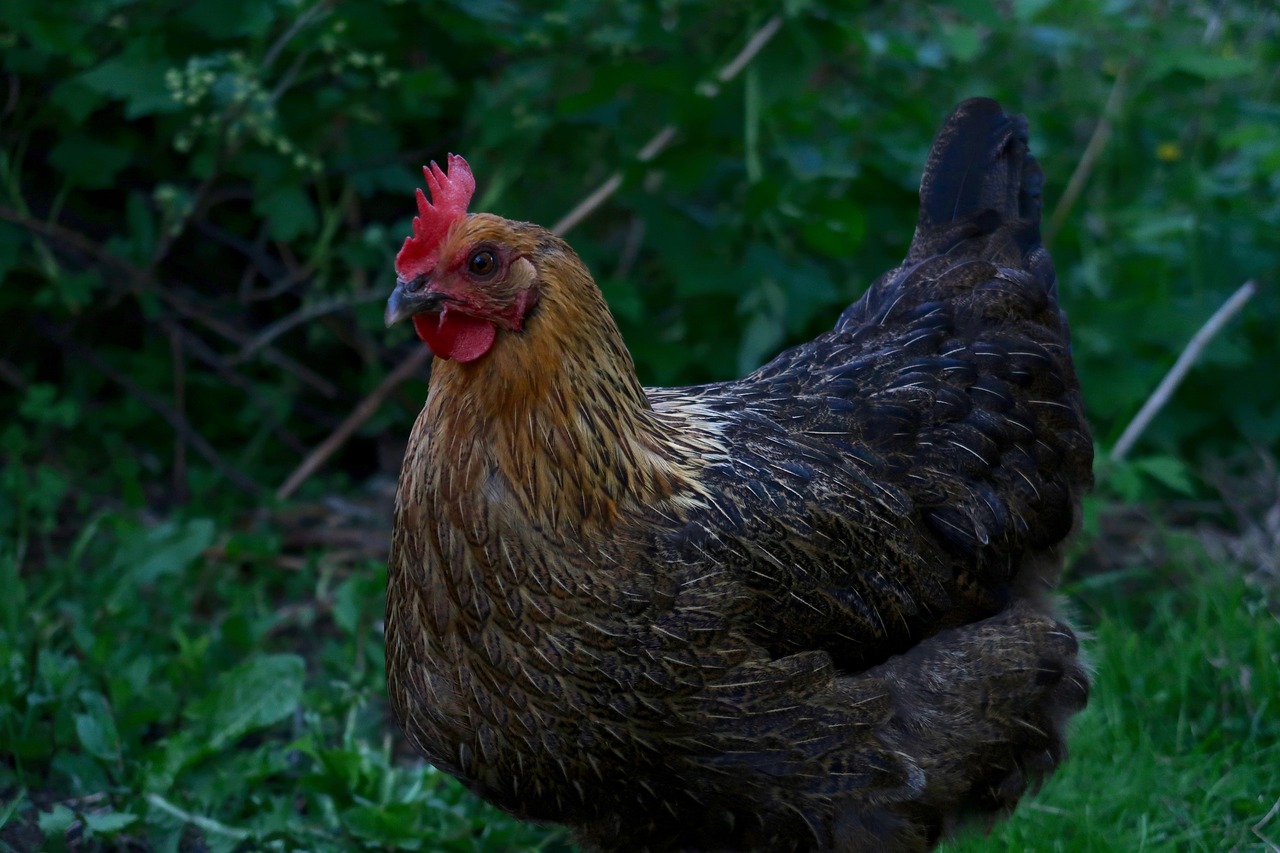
[178,686]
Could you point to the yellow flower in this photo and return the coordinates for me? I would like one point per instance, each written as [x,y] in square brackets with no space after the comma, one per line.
[1168,152]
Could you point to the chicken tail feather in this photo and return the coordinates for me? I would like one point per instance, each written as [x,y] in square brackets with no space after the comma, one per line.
[980,172]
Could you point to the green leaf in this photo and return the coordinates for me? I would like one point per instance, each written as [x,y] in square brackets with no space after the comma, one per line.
[760,339]
[979,11]
[166,549]
[963,41]
[834,226]
[348,604]
[233,18]
[55,823]
[1206,66]
[257,693]
[42,405]
[97,728]
[1029,10]
[136,79]
[109,823]
[1169,471]
[288,211]
[89,162]
[73,290]
[393,825]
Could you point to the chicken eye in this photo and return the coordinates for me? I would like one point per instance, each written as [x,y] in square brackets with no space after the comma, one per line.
[482,263]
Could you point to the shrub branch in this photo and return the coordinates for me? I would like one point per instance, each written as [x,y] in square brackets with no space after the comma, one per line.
[1180,368]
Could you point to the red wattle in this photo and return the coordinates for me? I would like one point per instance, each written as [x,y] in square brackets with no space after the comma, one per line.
[451,334]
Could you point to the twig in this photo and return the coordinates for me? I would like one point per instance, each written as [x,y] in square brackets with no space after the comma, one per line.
[1257,827]
[10,373]
[205,353]
[308,312]
[1101,134]
[138,276]
[71,238]
[208,824]
[584,208]
[180,409]
[300,23]
[260,263]
[1092,151]
[180,425]
[749,50]
[272,355]
[660,140]
[630,248]
[416,362]
[227,143]
[1180,367]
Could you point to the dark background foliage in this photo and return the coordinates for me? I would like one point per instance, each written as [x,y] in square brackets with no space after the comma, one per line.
[199,206]
[205,198]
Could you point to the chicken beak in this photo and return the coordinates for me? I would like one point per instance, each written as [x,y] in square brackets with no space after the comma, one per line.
[404,303]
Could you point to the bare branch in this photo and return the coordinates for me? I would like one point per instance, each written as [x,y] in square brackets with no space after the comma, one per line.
[178,359]
[1092,151]
[138,277]
[205,353]
[1101,134]
[306,375]
[299,24]
[10,373]
[1257,827]
[1180,368]
[749,50]
[660,140]
[361,413]
[304,314]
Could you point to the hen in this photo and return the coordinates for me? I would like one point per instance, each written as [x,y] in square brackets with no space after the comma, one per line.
[809,609]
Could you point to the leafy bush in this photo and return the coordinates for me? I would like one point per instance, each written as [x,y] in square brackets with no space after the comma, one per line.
[200,201]
[168,695]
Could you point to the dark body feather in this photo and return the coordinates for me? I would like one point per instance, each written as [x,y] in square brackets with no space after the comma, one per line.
[806,610]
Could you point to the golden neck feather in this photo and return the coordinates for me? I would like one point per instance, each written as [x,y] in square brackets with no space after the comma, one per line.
[553,421]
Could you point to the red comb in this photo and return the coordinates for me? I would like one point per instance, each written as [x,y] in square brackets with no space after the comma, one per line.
[450,195]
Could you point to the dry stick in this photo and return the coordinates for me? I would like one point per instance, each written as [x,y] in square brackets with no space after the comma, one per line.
[1257,827]
[581,211]
[1097,142]
[1180,367]
[10,373]
[286,363]
[663,137]
[193,343]
[409,367]
[178,358]
[308,312]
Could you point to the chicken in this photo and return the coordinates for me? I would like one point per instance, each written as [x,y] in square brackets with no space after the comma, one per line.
[810,609]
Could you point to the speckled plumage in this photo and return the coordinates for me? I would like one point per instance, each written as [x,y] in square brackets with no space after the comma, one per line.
[805,610]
